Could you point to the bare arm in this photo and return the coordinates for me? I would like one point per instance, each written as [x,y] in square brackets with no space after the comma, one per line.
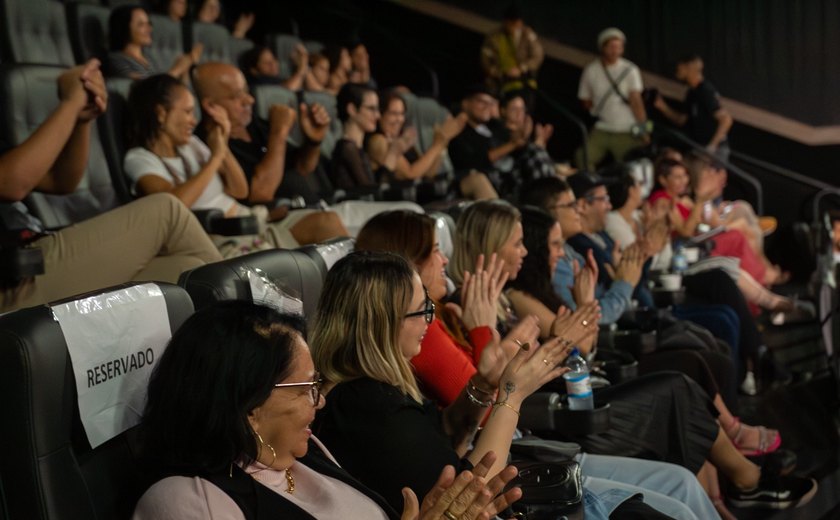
[724,123]
[268,173]
[637,106]
[314,121]
[54,157]
[236,184]
[190,190]
[676,117]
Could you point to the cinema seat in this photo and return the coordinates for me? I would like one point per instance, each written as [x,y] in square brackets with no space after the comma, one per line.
[49,470]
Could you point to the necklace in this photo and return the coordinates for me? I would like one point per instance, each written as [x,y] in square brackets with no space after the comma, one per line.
[290,480]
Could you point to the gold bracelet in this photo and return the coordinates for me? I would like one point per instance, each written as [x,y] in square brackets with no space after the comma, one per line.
[504,403]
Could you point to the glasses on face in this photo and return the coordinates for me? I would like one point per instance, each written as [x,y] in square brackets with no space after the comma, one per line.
[567,205]
[314,387]
[428,311]
[599,198]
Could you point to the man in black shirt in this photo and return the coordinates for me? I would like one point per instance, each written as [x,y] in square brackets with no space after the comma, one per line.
[705,120]
[262,149]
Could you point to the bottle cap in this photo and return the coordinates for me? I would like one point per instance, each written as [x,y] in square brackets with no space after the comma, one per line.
[574,352]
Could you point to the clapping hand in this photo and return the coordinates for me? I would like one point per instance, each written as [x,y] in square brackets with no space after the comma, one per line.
[467,496]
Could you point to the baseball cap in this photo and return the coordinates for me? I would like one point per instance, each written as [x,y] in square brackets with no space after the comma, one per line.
[610,33]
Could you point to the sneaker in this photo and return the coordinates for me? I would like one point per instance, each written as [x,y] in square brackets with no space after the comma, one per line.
[775,492]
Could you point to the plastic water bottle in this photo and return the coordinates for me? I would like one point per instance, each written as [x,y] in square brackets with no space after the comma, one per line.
[578,385]
[679,263]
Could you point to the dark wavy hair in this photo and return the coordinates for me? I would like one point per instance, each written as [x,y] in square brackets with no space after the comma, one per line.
[222,363]
[351,94]
[543,192]
[142,125]
[119,26]
[407,233]
[535,276]
[248,60]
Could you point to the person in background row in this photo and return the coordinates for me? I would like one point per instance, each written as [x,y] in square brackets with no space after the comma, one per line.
[394,148]
[511,56]
[226,433]
[360,60]
[261,67]
[105,250]
[210,11]
[704,119]
[129,32]
[611,91]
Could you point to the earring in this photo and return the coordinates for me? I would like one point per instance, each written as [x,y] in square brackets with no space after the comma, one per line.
[269,446]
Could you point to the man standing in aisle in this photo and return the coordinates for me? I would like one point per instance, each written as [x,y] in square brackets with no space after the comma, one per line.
[611,91]
[704,120]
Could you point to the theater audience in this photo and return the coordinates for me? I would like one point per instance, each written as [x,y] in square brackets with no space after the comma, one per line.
[450,360]
[394,147]
[341,65]
[261,67]
[167,157]
[106,250]
[358,110]
[129,32]
[210,11]
[226,431]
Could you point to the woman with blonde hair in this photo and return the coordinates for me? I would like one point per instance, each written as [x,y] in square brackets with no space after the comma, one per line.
[372,316]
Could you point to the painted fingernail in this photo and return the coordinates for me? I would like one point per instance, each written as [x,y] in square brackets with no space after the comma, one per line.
[525,346]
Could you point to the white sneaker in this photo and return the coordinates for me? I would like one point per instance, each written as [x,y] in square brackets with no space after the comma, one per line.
[748,386]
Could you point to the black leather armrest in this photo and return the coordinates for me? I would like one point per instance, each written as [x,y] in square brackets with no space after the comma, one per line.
[17,263]
[234,226]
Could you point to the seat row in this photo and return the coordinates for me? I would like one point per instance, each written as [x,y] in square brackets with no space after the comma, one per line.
[60,469]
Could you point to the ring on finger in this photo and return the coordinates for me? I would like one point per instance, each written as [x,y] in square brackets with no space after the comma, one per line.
[547,363]
[585,323]
[448,514]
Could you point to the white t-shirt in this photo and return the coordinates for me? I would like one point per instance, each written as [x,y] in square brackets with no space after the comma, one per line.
[140,162]
[615,115]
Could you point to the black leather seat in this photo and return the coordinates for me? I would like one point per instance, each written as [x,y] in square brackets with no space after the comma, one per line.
[88,28]
[295,272]
[299,272]
[49,470]
[216,40]
[27,98]
[34,31]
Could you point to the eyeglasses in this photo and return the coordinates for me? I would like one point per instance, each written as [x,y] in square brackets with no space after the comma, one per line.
[428,310]
[599,198]
[314,387]
[568,205]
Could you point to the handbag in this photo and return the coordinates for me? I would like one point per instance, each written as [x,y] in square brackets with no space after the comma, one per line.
[550,491]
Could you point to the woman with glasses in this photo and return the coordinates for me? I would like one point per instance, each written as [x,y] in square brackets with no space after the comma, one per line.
[358,110]
[226,430]
[459,351]
[372,317]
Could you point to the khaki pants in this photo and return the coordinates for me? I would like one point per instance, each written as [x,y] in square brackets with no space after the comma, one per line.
[601,143]
[155,238]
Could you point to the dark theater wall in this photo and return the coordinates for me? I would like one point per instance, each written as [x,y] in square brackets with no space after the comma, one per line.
[781,55]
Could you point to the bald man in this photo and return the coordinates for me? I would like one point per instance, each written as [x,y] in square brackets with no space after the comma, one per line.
[261,148]
[262,151]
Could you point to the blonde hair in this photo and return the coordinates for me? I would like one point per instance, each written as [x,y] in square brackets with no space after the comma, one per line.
[357,325]
[483,228]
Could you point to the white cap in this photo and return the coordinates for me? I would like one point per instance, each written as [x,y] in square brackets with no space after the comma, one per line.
[608,34]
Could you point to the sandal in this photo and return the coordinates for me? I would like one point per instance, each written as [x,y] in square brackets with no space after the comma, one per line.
[768,440]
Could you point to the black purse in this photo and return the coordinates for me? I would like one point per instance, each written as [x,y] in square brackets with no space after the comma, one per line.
[550,491]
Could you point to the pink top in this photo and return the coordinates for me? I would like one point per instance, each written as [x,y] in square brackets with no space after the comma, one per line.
[187,498]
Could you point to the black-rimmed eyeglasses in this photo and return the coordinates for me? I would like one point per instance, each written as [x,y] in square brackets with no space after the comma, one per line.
[314,387]
[428,311]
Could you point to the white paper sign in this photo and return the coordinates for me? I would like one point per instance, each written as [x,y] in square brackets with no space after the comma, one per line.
[114,341]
